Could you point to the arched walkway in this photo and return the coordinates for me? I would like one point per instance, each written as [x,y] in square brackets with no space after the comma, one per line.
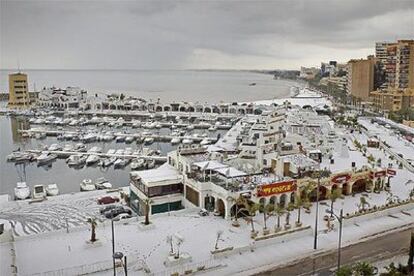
[221,207]
[359,186]
[322,194]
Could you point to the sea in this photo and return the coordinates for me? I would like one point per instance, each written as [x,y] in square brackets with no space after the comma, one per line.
[168,86]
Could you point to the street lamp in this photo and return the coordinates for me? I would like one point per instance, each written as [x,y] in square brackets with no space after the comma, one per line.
[315,240]
[340,219]
[117,255]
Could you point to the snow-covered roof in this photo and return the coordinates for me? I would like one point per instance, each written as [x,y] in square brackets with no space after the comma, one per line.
[230,172]
[164,172]
[210,165]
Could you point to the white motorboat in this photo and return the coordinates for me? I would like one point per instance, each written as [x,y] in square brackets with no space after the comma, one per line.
[45,157]
[150,163]
[128,151]
[120,139]
[158,125]
[175,140]
[52,190]
[101,183]
[187,141]
[39,191]
[110,151]
[92,159]
[120,163]
[22,191]
[129,139]
[95,150]
[148,140]
[190,127]
[137,164]
[55,147]
[212,128]
[136,124]
[19,156]
[205,141]
[76,160]
[88,138]
[87,185]
[108,161]
[40,135]
[80,147]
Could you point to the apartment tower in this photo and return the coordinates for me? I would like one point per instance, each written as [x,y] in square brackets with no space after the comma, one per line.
[18,91]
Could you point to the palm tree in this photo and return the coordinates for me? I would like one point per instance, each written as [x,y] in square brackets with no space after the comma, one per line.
[299,203]
[363,203]
[237,201]
[279,211]
[333,196]
[266,209]
[252,209]
[147,203]
[93,224]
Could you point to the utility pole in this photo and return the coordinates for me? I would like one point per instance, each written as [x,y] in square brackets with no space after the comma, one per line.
[315,240]
[113,246]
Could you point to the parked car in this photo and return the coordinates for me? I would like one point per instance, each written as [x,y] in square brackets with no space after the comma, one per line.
[108,200]
[107,208]
[117,211]
[203,212]
[122,216]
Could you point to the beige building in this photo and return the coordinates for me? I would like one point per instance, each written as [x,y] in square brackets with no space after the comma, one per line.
[392,99]
[399,64]
[360,80]
[18,91]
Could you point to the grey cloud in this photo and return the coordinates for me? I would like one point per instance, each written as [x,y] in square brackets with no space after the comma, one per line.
[166,34]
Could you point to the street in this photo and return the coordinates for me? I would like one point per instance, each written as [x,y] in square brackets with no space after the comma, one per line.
[374,249]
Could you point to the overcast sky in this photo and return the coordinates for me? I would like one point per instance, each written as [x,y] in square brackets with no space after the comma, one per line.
[197,34]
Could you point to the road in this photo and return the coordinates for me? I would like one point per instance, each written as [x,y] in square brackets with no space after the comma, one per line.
[375,249]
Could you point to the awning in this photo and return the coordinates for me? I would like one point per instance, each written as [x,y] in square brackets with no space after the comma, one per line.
[209,165]
[230,172]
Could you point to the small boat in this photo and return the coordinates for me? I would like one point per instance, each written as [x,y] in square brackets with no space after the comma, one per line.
[148,140]
[55,147]
[40,135]
[137,164]
[129,139]
[80,147]
[158,125]
[76,160]
[22,191]
[92,159]
[19,157]
[212,128]
[39,191]
[110,151]
[88,138]
[108,161]
[52,190]
[150,163]
[187,141]
[95,150]
[190,127]
[205,141]
[120,163]
[120,139]
[87,185]
[101,183]
[175,140]
[45,157]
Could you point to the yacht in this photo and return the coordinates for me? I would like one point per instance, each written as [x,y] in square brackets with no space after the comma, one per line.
[95,150]
[187,141]
[52,190]
[76,160]
[148,140]
[55,147]
[110,151]
[190,127]
[39,192]
[137,164]
[92,159]
[88,138]
[45,157]
[150,163]
[120,163]
[22,191]
[80,147]
[87,185]
[108,161]
[101,183]
[175,140]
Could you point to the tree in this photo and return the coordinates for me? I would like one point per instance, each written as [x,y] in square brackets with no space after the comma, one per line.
[266,209]
[93,223]
[363,203]
[333,196]
[147,203]
[411,254]
[252,209]
[364,269]
[299,203]
[279,211]
[344,271]
[237,201]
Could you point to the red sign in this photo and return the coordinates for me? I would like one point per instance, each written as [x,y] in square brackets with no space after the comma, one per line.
[391,172]
[276,188]
[378,174]
[340,179]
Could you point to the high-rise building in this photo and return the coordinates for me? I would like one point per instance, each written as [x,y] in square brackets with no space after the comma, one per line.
[381,51]
[360,80]
[18,91]
[405,64]
[392,99]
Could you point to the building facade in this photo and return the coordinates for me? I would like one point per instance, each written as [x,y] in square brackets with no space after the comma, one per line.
[392,99]
[360,79]
[18,91]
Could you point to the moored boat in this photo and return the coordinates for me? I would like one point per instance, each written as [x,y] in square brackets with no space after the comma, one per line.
[52,190]
[21,191]
[87,185]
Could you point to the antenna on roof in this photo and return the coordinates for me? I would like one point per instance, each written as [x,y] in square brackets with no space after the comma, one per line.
[18,65]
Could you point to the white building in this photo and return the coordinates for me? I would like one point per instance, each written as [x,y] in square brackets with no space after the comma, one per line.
[69,98]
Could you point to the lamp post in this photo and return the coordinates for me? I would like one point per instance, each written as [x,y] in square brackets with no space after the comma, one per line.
[117,255]
[340,219]
[315,240]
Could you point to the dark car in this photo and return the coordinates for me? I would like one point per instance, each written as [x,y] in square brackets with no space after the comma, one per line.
[107,208]
[108,200]
[117,211]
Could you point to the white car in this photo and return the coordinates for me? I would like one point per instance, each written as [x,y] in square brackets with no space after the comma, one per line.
[122,216]
[203,212]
